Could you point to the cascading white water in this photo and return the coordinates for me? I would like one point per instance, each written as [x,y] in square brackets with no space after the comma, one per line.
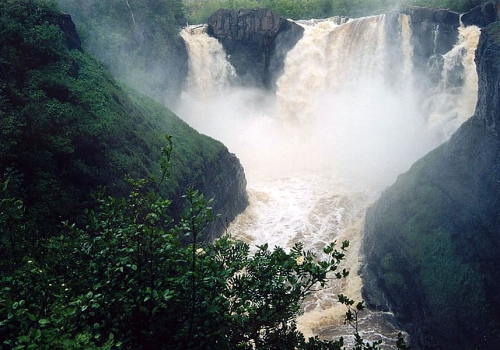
[209,70]
[450,106]
[336,131]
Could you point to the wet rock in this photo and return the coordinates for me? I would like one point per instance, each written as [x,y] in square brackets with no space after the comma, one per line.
[254,40]
[481,15]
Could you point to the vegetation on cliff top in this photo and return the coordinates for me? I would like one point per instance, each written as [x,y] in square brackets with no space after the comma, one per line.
[138,40]
[197,11]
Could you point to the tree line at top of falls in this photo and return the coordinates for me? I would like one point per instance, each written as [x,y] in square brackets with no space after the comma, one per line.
[198,11]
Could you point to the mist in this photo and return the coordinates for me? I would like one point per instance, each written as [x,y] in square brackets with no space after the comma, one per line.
[368,134]
[334,111]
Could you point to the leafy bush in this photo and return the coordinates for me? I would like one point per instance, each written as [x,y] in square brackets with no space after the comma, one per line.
[125,279]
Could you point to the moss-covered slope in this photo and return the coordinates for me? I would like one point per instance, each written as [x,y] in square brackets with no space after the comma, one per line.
[67,127]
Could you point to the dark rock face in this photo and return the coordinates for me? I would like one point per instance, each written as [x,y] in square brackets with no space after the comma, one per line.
[481,15]
[225,182]
[488,68]
[432,241]
[66,24]
[434,33]
[254,40]
[259,26]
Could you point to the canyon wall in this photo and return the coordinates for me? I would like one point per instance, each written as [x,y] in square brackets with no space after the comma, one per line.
[431,244]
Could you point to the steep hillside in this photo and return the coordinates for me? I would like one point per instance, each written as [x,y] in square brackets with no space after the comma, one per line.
[137,40]
[432,243]
[67,127]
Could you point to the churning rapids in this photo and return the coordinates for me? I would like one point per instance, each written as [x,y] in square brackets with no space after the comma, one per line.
[341,125]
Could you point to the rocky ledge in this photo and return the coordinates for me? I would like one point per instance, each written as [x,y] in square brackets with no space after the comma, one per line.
[256,42]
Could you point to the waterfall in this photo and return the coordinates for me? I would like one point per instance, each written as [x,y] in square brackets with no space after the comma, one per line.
[326,60]
[404,21]
[209,71]
[454,99]
[349,114]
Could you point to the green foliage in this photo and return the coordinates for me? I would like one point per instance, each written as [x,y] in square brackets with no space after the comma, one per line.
[126,278]
[457,280]
[197,11]
[138,40]
[66,127]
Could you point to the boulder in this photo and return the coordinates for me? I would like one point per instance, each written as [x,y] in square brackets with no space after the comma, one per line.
[68,28]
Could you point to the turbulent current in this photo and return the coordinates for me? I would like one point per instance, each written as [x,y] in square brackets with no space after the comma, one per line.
[344,121]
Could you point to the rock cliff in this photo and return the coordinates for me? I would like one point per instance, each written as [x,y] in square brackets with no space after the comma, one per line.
[481,15]
[65,23]
[225,181]
[432,241]
[255,40]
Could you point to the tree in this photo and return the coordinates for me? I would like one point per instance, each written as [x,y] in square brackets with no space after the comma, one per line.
[130,277]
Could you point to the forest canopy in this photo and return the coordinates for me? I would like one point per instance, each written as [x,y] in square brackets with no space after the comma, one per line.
[197,11]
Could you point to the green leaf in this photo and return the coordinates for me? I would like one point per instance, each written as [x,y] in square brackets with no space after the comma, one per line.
[43,321]
[23,339]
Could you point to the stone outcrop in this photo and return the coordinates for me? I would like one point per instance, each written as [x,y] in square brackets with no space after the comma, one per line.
[224,180]
[434,30]
[481,15]
[432,240]
[488,69]
[68,28]
[255,40]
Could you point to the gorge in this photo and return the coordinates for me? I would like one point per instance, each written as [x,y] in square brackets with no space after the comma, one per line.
[357,103]
[307,131]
